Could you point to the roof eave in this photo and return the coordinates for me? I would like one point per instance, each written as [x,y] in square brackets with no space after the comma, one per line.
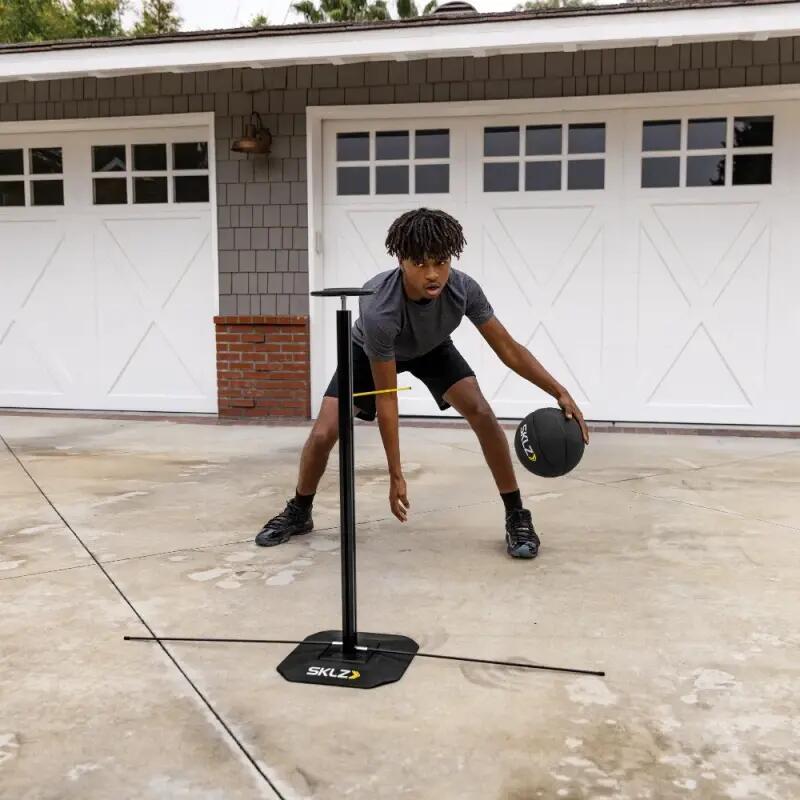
[568,32]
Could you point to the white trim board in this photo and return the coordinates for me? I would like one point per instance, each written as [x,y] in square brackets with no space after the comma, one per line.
[607,102]
[112,123]
[570,33]
[314,170]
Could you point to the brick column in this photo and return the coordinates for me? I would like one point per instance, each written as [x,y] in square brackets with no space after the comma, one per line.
[263,366]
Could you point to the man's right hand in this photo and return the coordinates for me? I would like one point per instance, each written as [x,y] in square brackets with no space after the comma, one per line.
[398,499]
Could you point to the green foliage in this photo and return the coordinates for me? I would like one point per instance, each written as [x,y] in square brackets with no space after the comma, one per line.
[97,18]
[408,9]
[540,5]
[158,16]
[44,20]
[343,10]
[33,20]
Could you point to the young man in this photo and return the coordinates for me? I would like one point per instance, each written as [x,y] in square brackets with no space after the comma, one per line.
[405,326]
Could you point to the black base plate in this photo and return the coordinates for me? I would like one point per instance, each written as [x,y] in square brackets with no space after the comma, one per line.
[317,661]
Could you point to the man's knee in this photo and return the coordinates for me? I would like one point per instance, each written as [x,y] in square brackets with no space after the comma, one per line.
[475,408]
[481,413]
[322,437]
[326,428]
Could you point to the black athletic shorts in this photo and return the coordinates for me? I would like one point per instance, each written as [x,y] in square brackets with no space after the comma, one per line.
[438,369]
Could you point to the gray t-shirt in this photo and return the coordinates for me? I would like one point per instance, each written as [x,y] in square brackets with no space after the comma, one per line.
[392,327]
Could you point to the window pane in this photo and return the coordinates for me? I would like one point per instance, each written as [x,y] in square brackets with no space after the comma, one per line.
[110,191]
[48,193]
[752,169]
[151,190]
[108,158]
[391,180]
[391,144]
[659,173]
[501,141]
[432,144]
[432,178]
[46,161]
[542,176]
[587,138]
[502,177]
[352,147]
[11,162]
[752,132]
[706,134]
[543,140]
[190,155]
[705,171]
[12,193]
[352,180]
[589,174]
[149,156]
[661,135]
[191,189]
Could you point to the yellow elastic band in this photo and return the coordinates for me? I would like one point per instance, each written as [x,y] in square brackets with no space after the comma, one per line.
[382,391]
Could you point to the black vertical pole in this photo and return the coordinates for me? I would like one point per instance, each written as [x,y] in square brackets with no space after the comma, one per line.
[347,505]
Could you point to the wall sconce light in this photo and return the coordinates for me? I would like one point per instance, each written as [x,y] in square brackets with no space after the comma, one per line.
[256,140]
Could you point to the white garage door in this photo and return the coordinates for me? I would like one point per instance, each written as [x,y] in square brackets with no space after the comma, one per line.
[108,270]
[646,256]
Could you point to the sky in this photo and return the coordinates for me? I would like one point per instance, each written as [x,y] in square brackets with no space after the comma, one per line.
[210,14]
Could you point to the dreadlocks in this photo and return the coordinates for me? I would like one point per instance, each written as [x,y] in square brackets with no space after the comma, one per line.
[424,233]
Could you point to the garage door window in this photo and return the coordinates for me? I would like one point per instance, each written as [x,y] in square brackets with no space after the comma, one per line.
[150,173]
[108,159]
[396,162]
[32,176]
[544,158]
[707,152]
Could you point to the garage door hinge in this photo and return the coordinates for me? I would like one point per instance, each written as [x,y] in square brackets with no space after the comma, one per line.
[317,242]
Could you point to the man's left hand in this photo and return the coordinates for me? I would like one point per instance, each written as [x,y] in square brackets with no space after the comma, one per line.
[570,409]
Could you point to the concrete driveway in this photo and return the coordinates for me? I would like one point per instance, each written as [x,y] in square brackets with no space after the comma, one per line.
[671,562]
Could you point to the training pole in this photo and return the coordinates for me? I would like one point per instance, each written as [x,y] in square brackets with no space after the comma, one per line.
[347,479]
[345,657]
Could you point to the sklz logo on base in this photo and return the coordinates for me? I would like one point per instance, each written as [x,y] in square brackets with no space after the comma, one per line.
[526,447]
[332,672]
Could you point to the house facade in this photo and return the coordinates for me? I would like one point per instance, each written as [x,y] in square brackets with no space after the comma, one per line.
[626,177]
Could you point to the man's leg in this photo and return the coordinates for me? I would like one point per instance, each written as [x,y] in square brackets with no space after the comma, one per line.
[318,446]
[296,517]
[466,397]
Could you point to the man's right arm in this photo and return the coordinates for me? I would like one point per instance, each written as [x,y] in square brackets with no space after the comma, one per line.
[384,374]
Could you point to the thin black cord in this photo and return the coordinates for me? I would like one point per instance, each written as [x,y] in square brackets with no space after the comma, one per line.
[142,620]
[385,651]
[515,664]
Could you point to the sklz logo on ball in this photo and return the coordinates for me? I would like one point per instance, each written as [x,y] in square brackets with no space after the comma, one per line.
[332,672]
[526,447]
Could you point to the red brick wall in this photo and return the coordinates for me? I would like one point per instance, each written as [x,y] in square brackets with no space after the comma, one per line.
[263,367]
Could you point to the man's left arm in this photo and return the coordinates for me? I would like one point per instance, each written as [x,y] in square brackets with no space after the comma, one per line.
[517,357]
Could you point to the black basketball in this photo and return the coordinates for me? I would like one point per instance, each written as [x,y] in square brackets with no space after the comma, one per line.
[548,444]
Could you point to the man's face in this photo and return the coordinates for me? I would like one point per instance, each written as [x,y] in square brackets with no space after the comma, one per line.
[425,279]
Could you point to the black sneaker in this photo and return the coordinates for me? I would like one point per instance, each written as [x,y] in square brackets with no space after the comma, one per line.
[521,538]
[293,520]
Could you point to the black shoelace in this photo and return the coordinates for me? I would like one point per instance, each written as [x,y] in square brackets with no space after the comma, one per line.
[292,513]
[520,525]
